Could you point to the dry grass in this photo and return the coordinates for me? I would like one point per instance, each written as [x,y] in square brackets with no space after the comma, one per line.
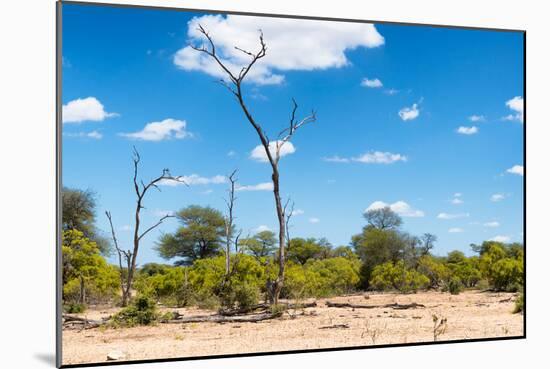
[468,315]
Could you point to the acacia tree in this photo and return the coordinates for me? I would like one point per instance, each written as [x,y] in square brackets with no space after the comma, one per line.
[383,218]
[79,213]
[130,256]
[234,83]
[201,235]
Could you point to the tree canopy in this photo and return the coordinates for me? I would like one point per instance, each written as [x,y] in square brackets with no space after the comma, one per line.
[199,237]
[79,212]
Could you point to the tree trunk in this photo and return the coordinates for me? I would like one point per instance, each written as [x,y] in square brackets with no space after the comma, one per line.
[277,285]
[82,299]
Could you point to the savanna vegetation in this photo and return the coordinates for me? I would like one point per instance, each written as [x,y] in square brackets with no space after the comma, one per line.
[212,265]
[381,257]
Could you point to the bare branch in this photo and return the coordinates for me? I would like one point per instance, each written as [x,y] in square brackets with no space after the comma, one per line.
[287,220]
[156,225]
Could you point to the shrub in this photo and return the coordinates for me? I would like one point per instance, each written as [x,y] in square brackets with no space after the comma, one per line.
[169,286]
[519,304]
[142,311]
[454,286]
[436,271]
[242,296]
[321,278]
[74,308]
[507,274]
[396,276]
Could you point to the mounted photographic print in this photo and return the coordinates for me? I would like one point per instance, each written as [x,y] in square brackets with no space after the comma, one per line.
[238,184]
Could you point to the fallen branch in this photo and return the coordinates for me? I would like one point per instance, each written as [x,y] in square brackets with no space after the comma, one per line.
[224,319]
[394,306]
[72,320]
[253,308]
[335,326]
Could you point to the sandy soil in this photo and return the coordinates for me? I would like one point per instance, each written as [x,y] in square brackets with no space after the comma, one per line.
[469,315]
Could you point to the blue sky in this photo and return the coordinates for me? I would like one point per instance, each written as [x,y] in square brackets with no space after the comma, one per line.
[427,120]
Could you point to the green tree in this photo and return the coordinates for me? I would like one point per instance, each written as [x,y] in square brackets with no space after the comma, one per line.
[263,244]
[344,252]
[383,218]
[79,212]
[199,237]
[300,250]
[377,246]
[83,265]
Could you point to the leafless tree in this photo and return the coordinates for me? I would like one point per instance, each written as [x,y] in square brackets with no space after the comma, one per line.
[229,220]
[123,255]
[289,215]
[234,83]
[130,256]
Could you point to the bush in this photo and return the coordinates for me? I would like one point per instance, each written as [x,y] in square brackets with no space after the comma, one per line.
[242,296]
[321,278]
[520,302]
[169,286]
[454,286]
[396,276]
[142,311]
[507,274]
[436,271]
[74,308]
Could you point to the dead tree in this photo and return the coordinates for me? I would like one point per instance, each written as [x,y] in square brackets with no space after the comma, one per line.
[130,256]
[289,215]
[234,83]
[229,219]
[125,255]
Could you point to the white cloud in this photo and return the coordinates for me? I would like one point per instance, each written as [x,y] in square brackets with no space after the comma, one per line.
[457,194]
[126,228]
[265,186]
[292,44]
[336,159]
[391,91]
[456,230]
[476,118]
[193,180]
[261,228]
[87,109]
[378,157]
[167,129]
[314,220]
[498,197]
[371,83]
[516,105]
[452,216]
[93,134]
[207,192]
[258,153]
[493,224]
[373,157]
[467,130]
[297,212]
[231,153]
[456,201]
[409,113]
[516,169]
[500,238]
[400,207]
[162,213]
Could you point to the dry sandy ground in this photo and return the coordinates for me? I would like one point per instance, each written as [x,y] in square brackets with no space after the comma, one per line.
[469,315]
